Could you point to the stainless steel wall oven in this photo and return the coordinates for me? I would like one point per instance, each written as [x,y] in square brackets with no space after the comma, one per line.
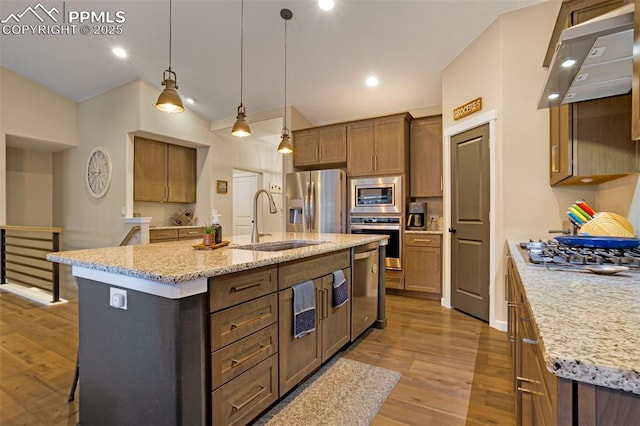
[382,225]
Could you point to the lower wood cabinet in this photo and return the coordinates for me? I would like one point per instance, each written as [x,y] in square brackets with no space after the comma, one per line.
[301,357]
[422,263]
[243,398]
[542,398]
[174,234]
[254,358]
[394,279]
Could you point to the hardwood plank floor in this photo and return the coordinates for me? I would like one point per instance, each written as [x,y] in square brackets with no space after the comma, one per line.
[455,369]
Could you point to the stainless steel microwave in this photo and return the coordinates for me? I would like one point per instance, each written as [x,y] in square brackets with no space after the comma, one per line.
[376,195]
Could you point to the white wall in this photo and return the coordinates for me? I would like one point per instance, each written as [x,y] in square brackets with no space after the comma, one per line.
[504,66]
[30,111]
[29,173]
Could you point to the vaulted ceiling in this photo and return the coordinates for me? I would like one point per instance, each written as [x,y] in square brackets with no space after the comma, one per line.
[405,43]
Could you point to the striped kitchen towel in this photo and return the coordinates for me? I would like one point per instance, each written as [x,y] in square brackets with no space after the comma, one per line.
[340,295]
[304,309]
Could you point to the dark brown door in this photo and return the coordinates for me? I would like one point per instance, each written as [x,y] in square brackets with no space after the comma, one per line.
[470,222]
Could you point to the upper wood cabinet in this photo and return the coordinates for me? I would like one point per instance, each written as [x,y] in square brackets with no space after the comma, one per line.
[590,142]
[426,157]
[378,146]
[320,146]
[163,172]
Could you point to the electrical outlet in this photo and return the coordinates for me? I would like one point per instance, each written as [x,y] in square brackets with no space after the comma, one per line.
[275,188]
[118,298]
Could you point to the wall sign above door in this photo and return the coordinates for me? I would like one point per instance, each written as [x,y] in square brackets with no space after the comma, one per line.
[467,109]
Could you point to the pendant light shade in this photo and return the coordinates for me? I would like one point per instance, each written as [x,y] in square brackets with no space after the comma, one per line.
[169,100]
[241,127]
[285,146]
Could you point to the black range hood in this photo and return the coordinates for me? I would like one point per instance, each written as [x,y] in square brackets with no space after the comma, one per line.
[592,60]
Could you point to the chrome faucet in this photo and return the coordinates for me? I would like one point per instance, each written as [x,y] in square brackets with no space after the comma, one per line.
[255,235]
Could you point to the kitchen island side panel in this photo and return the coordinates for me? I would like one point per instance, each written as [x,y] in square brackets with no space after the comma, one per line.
[143,365]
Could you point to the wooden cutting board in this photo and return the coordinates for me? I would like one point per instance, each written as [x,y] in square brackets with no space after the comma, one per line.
[608,225]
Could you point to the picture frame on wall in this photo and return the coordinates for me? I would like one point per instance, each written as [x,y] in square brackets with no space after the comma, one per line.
[221,186]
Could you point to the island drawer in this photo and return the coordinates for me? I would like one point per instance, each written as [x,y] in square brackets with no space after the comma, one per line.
[297,271]
[422,240]
[235,359]
[157,235]
[235,323]
[244,397]
[186,233]
[232,289]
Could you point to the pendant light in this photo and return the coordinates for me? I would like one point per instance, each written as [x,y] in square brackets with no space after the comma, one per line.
[285,146]
[169,100]
[241,127]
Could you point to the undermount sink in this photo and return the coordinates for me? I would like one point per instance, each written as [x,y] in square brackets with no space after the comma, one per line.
[279,245]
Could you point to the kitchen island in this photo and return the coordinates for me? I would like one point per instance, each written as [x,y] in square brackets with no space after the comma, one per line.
[171,335]
[576,344]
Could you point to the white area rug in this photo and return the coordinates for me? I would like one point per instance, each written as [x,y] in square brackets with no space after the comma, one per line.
[343,392]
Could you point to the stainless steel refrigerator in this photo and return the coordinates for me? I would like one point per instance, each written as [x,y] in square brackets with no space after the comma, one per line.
[316,201]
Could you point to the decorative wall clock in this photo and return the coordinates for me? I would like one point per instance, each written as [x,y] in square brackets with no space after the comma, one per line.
[98,172]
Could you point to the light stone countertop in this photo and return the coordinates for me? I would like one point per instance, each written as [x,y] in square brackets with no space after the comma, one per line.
[178,261]
[589,325]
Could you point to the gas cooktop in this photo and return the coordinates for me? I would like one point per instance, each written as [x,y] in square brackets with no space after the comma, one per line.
[553,253]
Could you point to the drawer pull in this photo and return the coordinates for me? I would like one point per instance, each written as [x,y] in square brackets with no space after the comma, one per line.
[529,341]
[523,390]
[258,317]
[422,240]
[251,398]
[236,362]
[235,289]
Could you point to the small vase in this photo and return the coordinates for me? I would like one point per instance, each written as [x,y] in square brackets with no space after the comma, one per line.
[208,239]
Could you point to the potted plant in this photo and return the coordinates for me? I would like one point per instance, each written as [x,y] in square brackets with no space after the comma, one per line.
[208,238]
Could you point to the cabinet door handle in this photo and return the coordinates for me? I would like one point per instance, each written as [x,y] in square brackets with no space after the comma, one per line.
[325,308]
[238,407]
[524,390]
[317,152]
[372,166]
[529,341]
[375,161]
[555,159]
[441,184]
[236,362]
[235,289]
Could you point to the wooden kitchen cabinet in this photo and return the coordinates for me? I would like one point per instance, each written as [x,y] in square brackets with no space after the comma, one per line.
[300,357]
[425,146]
[243,336]
[174,234]
[590,141]
[422,264]
[163,172]
[320,146]
[378,146]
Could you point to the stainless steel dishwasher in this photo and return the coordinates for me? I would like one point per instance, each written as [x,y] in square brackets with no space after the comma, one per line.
[364,301]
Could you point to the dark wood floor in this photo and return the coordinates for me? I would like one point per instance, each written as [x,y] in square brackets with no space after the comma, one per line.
[455,369]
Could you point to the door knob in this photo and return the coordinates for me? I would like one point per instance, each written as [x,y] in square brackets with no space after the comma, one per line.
[452,230]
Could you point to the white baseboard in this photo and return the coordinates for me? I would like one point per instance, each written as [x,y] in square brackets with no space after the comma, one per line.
[34,294]
[500,325]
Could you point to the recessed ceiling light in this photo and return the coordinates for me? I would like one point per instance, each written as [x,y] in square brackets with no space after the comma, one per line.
[325,4]
[190,100]
[119,52]
[568,63]
[372,81]
[554,96]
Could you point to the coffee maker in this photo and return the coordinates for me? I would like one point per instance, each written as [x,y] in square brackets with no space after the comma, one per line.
[416,216]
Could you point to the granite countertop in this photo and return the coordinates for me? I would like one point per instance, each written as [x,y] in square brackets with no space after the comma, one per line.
[589,325]
[177,262]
